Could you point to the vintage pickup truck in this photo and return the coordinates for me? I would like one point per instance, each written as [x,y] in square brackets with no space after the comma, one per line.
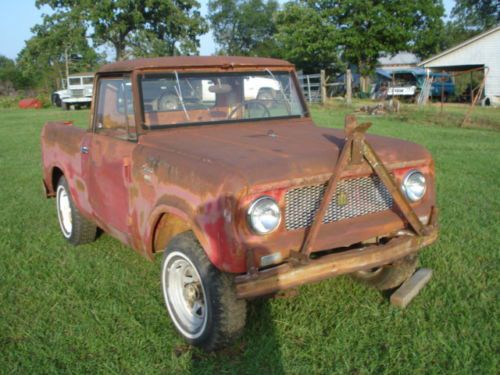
[244,197]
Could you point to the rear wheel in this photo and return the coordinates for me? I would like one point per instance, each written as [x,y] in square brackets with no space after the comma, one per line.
[200,299]
[389,276]
[74,227]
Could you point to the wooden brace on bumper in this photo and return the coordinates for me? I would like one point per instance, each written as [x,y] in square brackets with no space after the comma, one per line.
[288,276]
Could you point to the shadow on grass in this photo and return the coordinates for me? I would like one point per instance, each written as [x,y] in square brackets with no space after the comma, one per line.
[256,352]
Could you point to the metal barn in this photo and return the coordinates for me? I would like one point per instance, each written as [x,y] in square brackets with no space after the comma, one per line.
[481,51]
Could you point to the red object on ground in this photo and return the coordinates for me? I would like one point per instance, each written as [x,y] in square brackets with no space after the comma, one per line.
[30,103]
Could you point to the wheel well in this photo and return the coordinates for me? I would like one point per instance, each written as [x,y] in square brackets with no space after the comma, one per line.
[56,175]
[167,227]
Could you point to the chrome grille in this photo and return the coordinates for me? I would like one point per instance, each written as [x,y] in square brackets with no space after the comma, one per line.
[77,93]
[353,197]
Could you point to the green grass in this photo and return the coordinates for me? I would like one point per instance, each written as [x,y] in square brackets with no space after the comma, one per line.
[98,308]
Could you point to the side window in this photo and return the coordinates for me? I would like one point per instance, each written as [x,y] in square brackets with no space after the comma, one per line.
[115,110]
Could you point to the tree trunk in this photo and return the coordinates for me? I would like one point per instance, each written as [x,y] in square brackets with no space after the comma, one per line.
[119,49]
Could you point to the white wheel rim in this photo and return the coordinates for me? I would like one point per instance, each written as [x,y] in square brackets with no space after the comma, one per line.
[64,211]
[184,295]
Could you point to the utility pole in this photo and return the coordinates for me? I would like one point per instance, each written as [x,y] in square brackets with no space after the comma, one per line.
[67,62]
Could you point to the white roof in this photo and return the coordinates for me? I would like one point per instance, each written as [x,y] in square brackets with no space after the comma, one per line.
[401,58]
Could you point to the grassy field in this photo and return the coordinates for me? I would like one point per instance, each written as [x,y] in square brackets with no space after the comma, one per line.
[98,308]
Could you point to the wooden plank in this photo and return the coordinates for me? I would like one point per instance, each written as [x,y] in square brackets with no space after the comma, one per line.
[411,287]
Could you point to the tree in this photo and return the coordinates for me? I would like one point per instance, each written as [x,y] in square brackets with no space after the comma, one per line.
[8,74]
[478,15]
[121,23]
[244,27]
[469,18]
[43,58]
[307,39]
[361,30]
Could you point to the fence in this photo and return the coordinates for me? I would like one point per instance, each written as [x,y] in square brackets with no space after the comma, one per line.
[317,89]
[311,87]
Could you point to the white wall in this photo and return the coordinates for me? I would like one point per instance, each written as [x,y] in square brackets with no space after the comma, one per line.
[484,51]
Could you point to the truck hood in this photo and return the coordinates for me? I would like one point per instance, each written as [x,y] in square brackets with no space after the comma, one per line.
[273,151]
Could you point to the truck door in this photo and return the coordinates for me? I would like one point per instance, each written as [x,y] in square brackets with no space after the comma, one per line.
[110,152]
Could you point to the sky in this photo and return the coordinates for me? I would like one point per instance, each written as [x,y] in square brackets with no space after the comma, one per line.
[18,17]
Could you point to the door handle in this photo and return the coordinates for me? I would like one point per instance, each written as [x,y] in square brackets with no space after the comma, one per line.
[126,170]
[84,150]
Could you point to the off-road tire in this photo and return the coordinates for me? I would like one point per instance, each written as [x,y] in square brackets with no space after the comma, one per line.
[82,230]
[390,276]
[225,315]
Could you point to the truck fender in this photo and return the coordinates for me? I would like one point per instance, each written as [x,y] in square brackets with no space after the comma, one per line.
[168,220]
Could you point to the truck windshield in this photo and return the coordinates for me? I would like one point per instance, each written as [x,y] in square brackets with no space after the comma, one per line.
[75,81]
[175,98]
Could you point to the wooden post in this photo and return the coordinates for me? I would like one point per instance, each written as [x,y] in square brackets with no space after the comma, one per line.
[410,288]
[348,85]
[475,100]
[393,85]
[323,86]
[471,90]
[308,89]
[442,91]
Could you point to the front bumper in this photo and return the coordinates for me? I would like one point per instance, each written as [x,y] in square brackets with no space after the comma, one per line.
[289,275]
[81,100]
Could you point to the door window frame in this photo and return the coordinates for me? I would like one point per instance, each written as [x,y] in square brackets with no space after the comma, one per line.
[132,134]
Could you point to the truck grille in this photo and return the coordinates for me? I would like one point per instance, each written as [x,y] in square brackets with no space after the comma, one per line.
[353,197]
[77,93]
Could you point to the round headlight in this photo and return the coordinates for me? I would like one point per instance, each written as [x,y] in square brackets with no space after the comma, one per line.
[264,215]
[414,185]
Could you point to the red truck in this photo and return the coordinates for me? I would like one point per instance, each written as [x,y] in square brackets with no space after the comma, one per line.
[242,193]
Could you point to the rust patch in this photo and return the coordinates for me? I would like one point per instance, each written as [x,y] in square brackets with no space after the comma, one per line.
[168,227]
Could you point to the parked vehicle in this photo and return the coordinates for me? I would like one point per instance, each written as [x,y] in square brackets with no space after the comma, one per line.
[59,95]
[244,199]
[77,92]
[409,83]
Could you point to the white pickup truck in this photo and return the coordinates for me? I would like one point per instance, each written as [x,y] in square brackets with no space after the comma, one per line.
[78,91]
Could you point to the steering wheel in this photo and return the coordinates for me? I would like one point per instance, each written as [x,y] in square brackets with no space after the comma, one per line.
[246,104]
[168,102]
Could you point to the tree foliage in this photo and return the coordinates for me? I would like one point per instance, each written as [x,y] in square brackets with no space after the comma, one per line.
[359,30]
[307,38]
[244,27]
[138,27]
[10,77]
[469,18]
[43,58]
[478,15]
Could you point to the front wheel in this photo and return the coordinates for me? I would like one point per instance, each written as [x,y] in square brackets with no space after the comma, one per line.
[200,299]
[389,276]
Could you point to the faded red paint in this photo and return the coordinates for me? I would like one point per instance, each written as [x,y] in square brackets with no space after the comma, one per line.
[208,175]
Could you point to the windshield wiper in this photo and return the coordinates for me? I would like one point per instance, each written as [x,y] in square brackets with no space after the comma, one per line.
[179,94]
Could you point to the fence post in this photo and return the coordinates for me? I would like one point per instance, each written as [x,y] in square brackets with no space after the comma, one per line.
[323,86]
[309,97]
[348,81]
